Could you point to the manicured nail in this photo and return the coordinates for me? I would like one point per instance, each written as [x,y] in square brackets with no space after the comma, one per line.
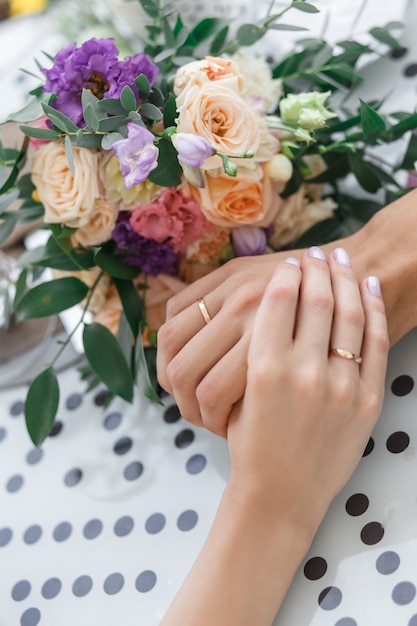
[292,260]
[374,286]
[317,253]
[341,257]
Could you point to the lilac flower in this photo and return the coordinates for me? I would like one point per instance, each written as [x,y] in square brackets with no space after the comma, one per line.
[137,154]
[129,69]
[249,240]
[192,149]
[151,257]
[94,66]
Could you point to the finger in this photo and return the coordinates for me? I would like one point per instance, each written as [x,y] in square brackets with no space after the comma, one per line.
[315,313]
[275,320]
[349,317]
[375,342]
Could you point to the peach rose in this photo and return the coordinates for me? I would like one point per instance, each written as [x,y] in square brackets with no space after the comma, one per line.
[67,199]
[99,227]
[296,215]
[207,70]
[219,115]
[207,249]
[235,201]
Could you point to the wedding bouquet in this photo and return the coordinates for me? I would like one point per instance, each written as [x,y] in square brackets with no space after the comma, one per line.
[150,171]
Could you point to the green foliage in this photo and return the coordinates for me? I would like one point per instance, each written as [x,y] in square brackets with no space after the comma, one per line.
[41,405]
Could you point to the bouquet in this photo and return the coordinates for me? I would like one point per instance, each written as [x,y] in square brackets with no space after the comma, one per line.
[151,170]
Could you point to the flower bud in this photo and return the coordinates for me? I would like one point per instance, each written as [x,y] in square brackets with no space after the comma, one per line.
[279,168]
[230,168]
[249,240]
[192,149]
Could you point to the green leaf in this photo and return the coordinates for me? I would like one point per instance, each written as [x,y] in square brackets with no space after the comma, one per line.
[20,286]
[40,133]
[88,98]
[406,124]
[142,83]
[142,374]
[168,172]
[69,153]
[136,118]
[41,405]
[204,29]
[111,124]
[304,6]
[248,34]
[289,27]
[109,140]
[6,229]
[133,304]
[322,232]
[151,112]
[150,7]
[410,156]
[384,36]
[365,176]
[128,99]
[111,106]
[31,111]
[59,120]
[50,298]
[90,117]
[373,125]
[170,111]
[85,140]
[219,40]
[106,358]
[113,265]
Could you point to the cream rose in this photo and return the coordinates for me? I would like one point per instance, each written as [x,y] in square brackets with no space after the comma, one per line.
[67,199]
[220,116]
[235,201]
[296,215]
[116,191]
[99,227]
[207,70]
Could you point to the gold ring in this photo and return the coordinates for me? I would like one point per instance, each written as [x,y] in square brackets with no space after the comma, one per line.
[345,354]
[203,309]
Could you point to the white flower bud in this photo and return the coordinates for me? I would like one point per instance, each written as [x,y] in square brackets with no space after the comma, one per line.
[279,168]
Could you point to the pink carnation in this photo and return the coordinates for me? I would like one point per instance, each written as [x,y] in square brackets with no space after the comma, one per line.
[172,216]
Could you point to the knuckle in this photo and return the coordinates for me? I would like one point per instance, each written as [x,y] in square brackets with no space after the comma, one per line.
[320,301]
[343,391]
[172,307]
[176,372]
[380,339]
[354,316]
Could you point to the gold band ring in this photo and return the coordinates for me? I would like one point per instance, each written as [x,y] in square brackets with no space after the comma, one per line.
[345,354]
[203,309]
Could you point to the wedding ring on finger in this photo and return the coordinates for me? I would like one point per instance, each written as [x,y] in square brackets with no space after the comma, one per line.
[203,309]
[345,354]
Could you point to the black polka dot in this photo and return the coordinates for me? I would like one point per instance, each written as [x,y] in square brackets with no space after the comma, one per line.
[32,534]
[101,397]
[357,504]
[398,53]
[57,427]
[14,483]
[93,529]
[187,520]
[402,385]
[369,447]
[2,433]
[51,588]
[387,562]
[113,583]
[155,523]
[346,621]
[133,471]
[112,421]
[82,586]
[172,414]
[145,581]
[21,590]
[17,408]
[123,526]
[413,621]
[196,464]
[34,456]
[398,442]
[73,401]
[315,568]
[123,445]
[73,477]
[31,617]
[410,70]
[184,438]
[5,536]
[330,598]
[372,533]
[62,531]
[404,593]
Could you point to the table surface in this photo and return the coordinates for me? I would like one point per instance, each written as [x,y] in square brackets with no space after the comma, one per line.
[100,526]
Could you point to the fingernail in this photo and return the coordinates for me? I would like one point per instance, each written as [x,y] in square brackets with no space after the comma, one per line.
[374,286]
[341,257]
[293,261]
[317,253]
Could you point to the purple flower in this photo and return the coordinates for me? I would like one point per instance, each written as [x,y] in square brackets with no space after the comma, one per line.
[137,154]
[151,257]
[249,240]
[129,69]
[94,66]
[192,149]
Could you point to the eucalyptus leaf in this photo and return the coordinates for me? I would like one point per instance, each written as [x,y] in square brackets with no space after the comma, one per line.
[142,83]
[151,112]
[87,140]
[6,229]
[111,106]
[41,405]
[288,27]
[106,359]
[304,6]
[248,34]
[108,140]
[150,7]
[7,199]
[31,111]
[70,155]
[20,286]
[128,99]
[51,297]
[113,123]
[90,117]
[40,133]
[88,98]
[384,36]
[59,120]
